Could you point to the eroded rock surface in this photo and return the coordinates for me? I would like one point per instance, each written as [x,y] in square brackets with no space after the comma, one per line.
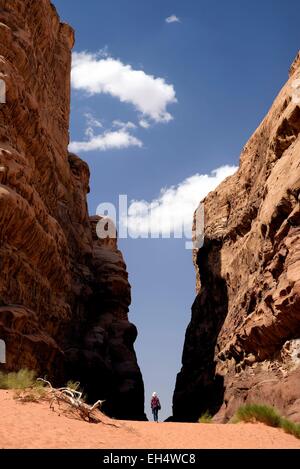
[64,294]
[243,342]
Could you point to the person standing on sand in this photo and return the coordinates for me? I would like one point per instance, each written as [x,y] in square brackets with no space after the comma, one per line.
[155,406]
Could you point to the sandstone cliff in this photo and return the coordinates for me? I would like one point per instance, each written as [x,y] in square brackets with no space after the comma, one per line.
[243,341]
[64,294]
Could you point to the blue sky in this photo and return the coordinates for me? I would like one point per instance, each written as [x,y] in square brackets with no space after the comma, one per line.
[205,83]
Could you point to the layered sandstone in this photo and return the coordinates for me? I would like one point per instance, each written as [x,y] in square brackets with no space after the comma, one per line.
[64,294]
[243,341]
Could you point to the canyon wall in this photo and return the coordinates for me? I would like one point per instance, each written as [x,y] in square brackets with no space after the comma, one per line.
[64,293]
[243,341]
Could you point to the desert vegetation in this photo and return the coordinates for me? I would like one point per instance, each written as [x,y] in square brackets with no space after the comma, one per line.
[29,388]
[205,417]
[22,379]
[25,385]
[267,415]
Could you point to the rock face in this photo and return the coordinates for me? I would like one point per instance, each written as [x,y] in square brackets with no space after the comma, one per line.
[64,294]
[243,341]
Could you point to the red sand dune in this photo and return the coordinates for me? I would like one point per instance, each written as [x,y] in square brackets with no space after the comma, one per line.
[35,425]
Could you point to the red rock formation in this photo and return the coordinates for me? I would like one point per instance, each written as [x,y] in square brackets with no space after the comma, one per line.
[243,342]
[64,295]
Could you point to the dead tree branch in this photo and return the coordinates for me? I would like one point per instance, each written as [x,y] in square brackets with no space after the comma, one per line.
[74,399]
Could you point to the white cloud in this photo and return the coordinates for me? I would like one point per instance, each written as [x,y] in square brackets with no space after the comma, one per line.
[144,123]
[92,122]
[109,140]
[124,125]
[96,74]
[172,19]
[174,207]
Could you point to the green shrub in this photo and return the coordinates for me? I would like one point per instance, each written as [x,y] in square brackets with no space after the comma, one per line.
[290,427]
[205,418]
[267,415]
[21,379]
[73,385]
[259,413]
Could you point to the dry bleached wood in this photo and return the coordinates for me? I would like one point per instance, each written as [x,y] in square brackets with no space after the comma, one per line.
[74,398]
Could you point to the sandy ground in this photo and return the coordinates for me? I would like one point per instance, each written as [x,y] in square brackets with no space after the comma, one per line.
[35,425]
